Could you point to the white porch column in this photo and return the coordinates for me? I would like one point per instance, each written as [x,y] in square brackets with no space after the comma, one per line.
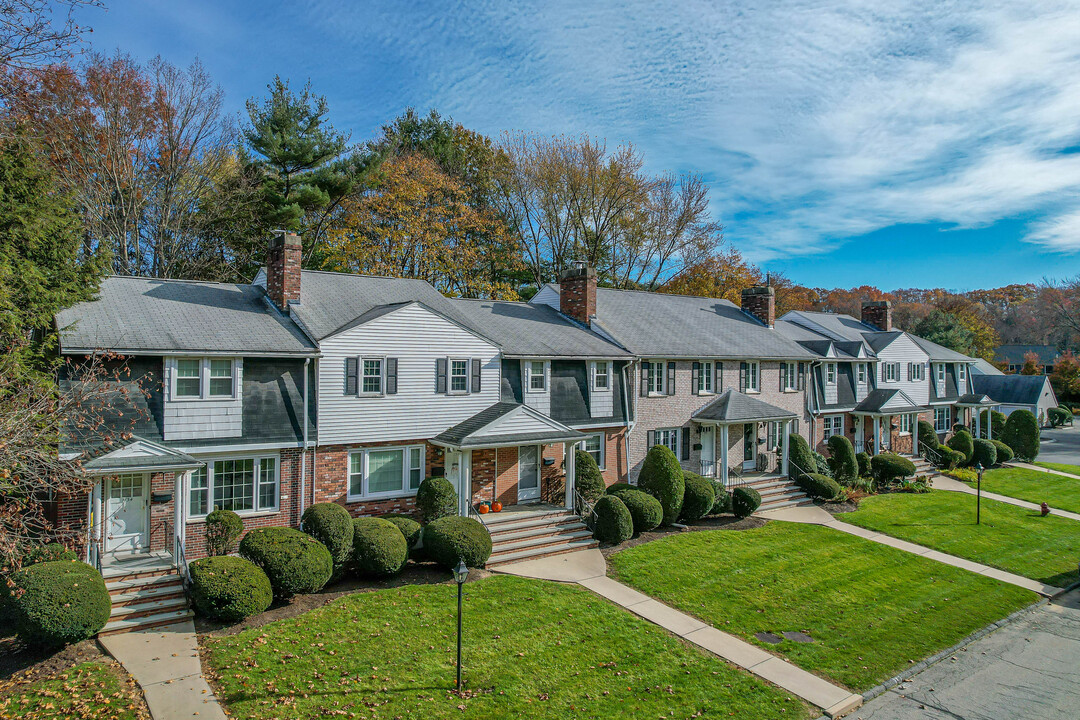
[724,454]
[784,448]
[877,435]
[915,434]
[571,473]
[990,423]
[178,511]
[978,421]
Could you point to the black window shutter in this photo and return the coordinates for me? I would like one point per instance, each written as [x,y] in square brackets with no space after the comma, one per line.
[671,378]
[645,367]
[783,376]
[391,376]
[742,377]
[800,380]
[351,365]
[440,376]
[476,375]
[650,438]
[695,375]
[685,432]
[718,385]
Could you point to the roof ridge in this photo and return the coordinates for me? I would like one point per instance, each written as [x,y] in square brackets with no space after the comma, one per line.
[148,278]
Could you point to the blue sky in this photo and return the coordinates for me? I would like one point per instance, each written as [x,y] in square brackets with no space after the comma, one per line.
[899,144]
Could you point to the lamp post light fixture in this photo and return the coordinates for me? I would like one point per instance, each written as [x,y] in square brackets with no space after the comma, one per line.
[978,493]
[461,574]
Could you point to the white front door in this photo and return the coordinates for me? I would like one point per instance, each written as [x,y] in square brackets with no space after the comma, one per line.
[457,473]
[708,451]
[126,513]
[529,462]
[749,446]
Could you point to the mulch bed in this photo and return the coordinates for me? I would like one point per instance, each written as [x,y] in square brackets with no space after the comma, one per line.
[724,522]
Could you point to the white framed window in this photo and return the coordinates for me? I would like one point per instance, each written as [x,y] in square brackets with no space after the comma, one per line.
[537,371]
[657,376]
[940,372]
[830,373]
[905,424]
[594,445]
[789,376]
[753,379]
[917,370]
[891,371]
[670,438]
[705,378]
[833,425]
[962,370]
[459,375]
[385,472]
[203,378]
[601,375]
[248,484]
[860,373]
[942,417]
[371,376]
[772,435]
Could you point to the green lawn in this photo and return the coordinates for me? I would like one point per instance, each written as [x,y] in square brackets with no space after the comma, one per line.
[532,649]
[1034,486]
[1061,467]
[1046,549]
[92,690]
[871,609]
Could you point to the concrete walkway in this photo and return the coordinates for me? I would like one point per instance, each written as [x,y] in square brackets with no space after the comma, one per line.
[1036,468]
[589,569]
[165,663]
[942,482]
[813,515]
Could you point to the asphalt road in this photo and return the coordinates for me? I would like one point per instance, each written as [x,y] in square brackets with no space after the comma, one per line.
[1029,669]
[1061,445]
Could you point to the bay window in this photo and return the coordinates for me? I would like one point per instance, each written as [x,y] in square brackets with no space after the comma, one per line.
[240,484]
[385,472]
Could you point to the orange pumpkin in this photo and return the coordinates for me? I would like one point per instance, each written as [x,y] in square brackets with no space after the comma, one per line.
[496,506]
[483,509]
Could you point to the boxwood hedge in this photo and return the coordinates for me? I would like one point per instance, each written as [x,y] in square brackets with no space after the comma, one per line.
[229,588]
[453,538]
[58,602]
[379,547]
[745,501]
[436,498]
[408,527]
[293,561]
[662,477]
[698,497]
[645,510]
[331,524]
[613,523]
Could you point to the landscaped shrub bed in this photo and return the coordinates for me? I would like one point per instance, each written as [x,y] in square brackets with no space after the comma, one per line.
[1021,433]
[949,458]
[613,523]
[589,481]
[331,524]
[293,561]
[888,467]
[962,443]
[379,547]
[928,436]
[984,453]
[408,527]
[436,498]
[842,461]
[722,503]
[51,552]
[222,529]
[801,458]
[662,477]
[453,538]
[229,588]
[745,501]
[819,487]
[863,459]
[645,510]
[1004,452]
[698,497]
[58,602]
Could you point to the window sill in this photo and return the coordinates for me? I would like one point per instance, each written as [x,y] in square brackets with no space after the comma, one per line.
[243,515]
[210,398]
[379,498]
[748,391]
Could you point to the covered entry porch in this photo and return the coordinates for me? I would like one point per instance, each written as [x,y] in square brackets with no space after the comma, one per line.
[893,420]
[972,406]
[742,435]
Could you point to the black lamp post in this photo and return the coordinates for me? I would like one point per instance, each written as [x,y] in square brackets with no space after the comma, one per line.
[978,493]
[461,574]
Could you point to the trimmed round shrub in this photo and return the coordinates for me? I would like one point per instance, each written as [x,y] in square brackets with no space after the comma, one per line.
[229,588]
[51,552]
[620,486]
[58,602]
[842,462]
[453,538]
[408,527]
[1021,433]
[888,467]
[819,487]
[800,457]
[1004,452]
[1058,416]
[645,510]
[293,561]
[331,524]
[222,529]
[928,435]
[984,453]
[613,523]
[662,477]
[698,497]
[589,482]
[962,443]
[745,501]
[863,460]
[950,458]
[379,547]
[722,504]
[436,498]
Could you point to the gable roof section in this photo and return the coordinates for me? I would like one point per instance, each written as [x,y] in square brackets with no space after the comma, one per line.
[881,400]
[653,324]
[505,424]
[732,406]
[524,330]
[985,367]
[141,455]
[1014,353]
[841,327]
[1011,389]
[939,353]
[147,316]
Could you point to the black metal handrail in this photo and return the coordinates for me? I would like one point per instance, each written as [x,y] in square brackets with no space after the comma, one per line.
[931,455]
[583,508]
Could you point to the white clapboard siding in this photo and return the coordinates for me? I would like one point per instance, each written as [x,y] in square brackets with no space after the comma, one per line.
[199,419]
[601,402]
[903,350]
[862,389]
[416,337]
[546,296]
[830,390]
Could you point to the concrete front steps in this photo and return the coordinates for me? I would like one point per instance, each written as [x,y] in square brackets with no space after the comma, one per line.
[536,534]
[144,599]
[777,492]
[922,467]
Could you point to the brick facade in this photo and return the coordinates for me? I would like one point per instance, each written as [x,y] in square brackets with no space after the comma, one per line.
[283,269]
[577,293]
[878,313]
[761,303]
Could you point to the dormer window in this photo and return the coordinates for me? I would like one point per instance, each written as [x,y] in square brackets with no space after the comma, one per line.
[963,373]
[860,370]
[537,376]
[203,379]
[188,378]
[830,373]
[601,378]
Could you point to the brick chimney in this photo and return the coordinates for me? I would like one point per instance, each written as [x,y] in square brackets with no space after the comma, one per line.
[761,303]
[878,313]
[283,269]
[577,292]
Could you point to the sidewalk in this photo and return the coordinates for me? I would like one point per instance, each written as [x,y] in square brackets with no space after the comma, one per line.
[165,663]
[589,569]
[942,482]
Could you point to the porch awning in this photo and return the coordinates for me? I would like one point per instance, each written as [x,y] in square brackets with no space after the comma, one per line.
[887,402]
[733,408]
[975,400]
[505,424]
[141,455]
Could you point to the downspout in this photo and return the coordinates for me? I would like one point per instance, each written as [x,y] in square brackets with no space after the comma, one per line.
[631,419]
[314,451]
[303,450]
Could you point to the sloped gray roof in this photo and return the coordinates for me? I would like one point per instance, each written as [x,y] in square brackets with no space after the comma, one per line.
[167,459]
[460,435]
[135,315]
[975,399]
[1011,389]
[524,330]
[842,327]
[985,367]
[1014,353]
[732,406]
[657,325]
[940,353]
[876,400]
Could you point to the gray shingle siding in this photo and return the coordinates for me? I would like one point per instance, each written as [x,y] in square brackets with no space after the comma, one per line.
[569,391]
